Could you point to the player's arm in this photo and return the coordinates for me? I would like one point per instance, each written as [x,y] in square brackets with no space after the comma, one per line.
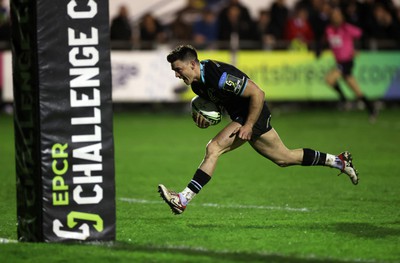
[354,31]
[257,97]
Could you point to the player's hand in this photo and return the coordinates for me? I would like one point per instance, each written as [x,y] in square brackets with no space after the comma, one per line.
[200,121]
[244,132]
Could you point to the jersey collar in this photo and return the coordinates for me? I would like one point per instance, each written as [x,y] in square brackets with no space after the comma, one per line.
[202,72]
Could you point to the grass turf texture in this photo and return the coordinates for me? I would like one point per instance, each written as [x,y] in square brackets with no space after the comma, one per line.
[250,219]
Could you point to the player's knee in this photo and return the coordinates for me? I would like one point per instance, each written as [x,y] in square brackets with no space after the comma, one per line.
[213,149]
[331,78]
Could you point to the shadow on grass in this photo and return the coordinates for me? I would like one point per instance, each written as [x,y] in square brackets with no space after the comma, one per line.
[367,230]
[219,256]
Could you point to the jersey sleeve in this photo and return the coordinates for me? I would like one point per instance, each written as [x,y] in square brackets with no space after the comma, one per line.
[232,83]
[354,31]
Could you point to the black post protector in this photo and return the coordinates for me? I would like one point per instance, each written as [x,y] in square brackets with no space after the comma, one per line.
[63,120]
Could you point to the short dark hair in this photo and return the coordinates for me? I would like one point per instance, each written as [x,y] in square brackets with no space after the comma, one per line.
[182,52]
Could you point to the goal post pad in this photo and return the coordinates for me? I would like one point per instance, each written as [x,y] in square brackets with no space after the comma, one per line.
[63,120]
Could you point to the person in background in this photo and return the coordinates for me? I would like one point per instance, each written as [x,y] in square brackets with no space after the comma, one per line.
[180,30]
[341,36]
[235,18]
[279,15]
[151,32]
[121,29]
[265,34]
[319,20]
[298,30]
[384,25]
[205,31]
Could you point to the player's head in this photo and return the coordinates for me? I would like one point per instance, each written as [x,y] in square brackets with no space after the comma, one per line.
[182,52]
[336,16]
[185,63]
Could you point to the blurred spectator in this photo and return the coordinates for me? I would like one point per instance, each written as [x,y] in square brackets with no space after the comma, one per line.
[384,26]
[298,30]
[151,32]
[192,12]
[319,20]
[5,26]
[352,13]
[359,14]
[179,30]
[205,31]
[220,23]
[215,5]
[279,15]
[4,17]
[120,26]
[265,34]
[235,18]
[244,11]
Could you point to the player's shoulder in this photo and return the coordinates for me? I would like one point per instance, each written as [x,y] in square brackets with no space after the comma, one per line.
[212,63]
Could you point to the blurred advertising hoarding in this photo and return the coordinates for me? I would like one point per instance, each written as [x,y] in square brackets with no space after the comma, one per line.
[146,76]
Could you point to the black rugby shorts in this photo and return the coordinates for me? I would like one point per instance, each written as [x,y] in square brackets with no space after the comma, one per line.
[346,67]
[262,125]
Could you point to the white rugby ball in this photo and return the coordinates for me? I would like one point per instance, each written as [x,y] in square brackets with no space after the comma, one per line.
[208,109]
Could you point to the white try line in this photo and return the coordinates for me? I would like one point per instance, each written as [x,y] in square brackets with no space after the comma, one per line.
[6,241]
[234,206]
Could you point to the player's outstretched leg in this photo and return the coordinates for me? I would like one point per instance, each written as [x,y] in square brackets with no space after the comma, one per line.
[271,146]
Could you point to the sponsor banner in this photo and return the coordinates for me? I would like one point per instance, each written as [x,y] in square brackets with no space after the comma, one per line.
[145,76]
[283,75]
[77,151]
[72,106]
[301,76]
[286,75]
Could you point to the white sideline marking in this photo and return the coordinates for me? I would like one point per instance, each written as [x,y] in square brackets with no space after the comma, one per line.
[235,206]
[6,241]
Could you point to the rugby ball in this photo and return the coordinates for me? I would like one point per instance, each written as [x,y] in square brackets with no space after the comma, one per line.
[209,110]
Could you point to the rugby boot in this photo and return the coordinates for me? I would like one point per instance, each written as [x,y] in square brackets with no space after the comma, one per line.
[173,199]
[348,167]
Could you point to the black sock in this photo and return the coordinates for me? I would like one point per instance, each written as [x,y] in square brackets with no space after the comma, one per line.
[199,180]
[339,91]
[368,104]
[312,157]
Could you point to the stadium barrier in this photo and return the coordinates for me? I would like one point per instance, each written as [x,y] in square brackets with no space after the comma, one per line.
[145,76]
[63,120]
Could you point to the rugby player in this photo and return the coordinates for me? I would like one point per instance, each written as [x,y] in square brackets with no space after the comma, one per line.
[341,36]
[227,86]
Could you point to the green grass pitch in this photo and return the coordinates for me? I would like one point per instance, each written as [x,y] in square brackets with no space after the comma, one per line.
[252,210]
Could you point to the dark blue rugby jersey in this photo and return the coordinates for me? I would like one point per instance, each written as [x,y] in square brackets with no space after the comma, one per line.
[223,84]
